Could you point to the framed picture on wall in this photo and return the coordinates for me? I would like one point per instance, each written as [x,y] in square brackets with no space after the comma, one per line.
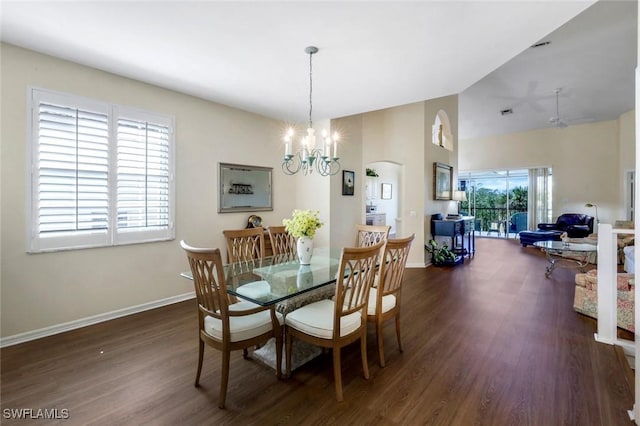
[386,191]
[244,188]
[348,182]
[442,181]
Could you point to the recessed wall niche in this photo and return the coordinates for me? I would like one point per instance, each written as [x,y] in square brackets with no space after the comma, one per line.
[441,131]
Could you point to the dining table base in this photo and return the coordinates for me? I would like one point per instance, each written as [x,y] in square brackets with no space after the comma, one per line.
[301,353]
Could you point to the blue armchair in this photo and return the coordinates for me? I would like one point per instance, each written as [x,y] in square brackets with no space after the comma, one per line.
[518,222]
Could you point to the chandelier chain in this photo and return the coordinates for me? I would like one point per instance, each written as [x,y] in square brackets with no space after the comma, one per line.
[310,88]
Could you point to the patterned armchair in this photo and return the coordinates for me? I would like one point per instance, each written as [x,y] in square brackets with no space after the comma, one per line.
[586,297]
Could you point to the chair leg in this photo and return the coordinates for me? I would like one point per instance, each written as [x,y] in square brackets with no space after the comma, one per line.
[200,356]
[224,378]
[380,343]
[245,353]
[288,354]
[398,332]
[337,373]
[363,354]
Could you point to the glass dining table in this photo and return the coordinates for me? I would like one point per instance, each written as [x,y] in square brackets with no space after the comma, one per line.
[282,281]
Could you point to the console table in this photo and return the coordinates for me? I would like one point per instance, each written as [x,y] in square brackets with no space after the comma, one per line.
[461,231]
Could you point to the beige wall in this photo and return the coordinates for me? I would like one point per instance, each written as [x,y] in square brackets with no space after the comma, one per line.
[397,135]
[345,209]
[586,159]
[402,136]
[46,289]
[435,153]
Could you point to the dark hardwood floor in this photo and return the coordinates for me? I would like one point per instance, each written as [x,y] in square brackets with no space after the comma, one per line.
[490,342]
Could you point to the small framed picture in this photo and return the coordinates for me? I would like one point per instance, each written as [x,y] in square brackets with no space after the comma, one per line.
[386,191]
[442,181]
[348,182]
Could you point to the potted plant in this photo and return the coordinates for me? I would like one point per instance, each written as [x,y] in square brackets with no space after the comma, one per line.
[442,255]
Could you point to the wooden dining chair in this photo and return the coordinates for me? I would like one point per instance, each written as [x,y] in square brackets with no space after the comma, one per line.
[224,326]
[334,323]
[384,300]
[282,243]
[367,235]
[244,244]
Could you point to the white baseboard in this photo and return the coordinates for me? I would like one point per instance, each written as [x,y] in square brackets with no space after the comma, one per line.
[415,265]
[83,322]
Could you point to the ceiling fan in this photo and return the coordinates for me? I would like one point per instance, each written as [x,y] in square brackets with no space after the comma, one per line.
[557,121]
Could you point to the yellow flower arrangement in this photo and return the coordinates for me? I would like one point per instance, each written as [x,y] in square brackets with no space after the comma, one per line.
[303,223]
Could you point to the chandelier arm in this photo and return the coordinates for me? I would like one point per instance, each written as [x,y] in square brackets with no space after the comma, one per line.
[291,165]
[328,167]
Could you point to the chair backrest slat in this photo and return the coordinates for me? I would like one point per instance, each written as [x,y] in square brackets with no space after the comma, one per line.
[208,280]
[394,260]
[368,235]
[281,241]
[244,244]
[355,277]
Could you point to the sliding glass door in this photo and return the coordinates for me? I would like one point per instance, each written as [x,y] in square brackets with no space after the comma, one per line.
[504,202]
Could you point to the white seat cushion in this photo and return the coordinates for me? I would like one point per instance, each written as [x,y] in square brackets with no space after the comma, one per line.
[316,319]
[242,328]
[376,279]
[388,302]
[255,290]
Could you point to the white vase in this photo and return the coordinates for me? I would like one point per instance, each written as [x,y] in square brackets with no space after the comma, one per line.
[305,250]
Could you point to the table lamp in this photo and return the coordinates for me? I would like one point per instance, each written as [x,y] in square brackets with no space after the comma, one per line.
[459,196]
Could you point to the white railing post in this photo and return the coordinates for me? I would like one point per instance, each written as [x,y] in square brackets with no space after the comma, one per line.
[607,290]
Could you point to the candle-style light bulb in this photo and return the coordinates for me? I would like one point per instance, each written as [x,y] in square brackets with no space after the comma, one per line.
[311,138]
[287,142]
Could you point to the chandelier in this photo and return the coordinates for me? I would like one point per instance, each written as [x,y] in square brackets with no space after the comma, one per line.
[324,158]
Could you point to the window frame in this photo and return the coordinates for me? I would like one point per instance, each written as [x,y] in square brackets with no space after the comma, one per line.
[112,236]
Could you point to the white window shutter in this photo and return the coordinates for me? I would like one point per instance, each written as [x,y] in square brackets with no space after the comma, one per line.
[92,185]
[143,174]
[70,182]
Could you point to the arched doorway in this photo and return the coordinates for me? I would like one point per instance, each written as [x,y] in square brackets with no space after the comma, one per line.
[383,195]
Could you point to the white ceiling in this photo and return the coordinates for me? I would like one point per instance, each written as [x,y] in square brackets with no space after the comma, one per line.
[373,55]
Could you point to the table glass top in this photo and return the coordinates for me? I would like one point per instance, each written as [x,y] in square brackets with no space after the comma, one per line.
[277,278]
[562,246]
